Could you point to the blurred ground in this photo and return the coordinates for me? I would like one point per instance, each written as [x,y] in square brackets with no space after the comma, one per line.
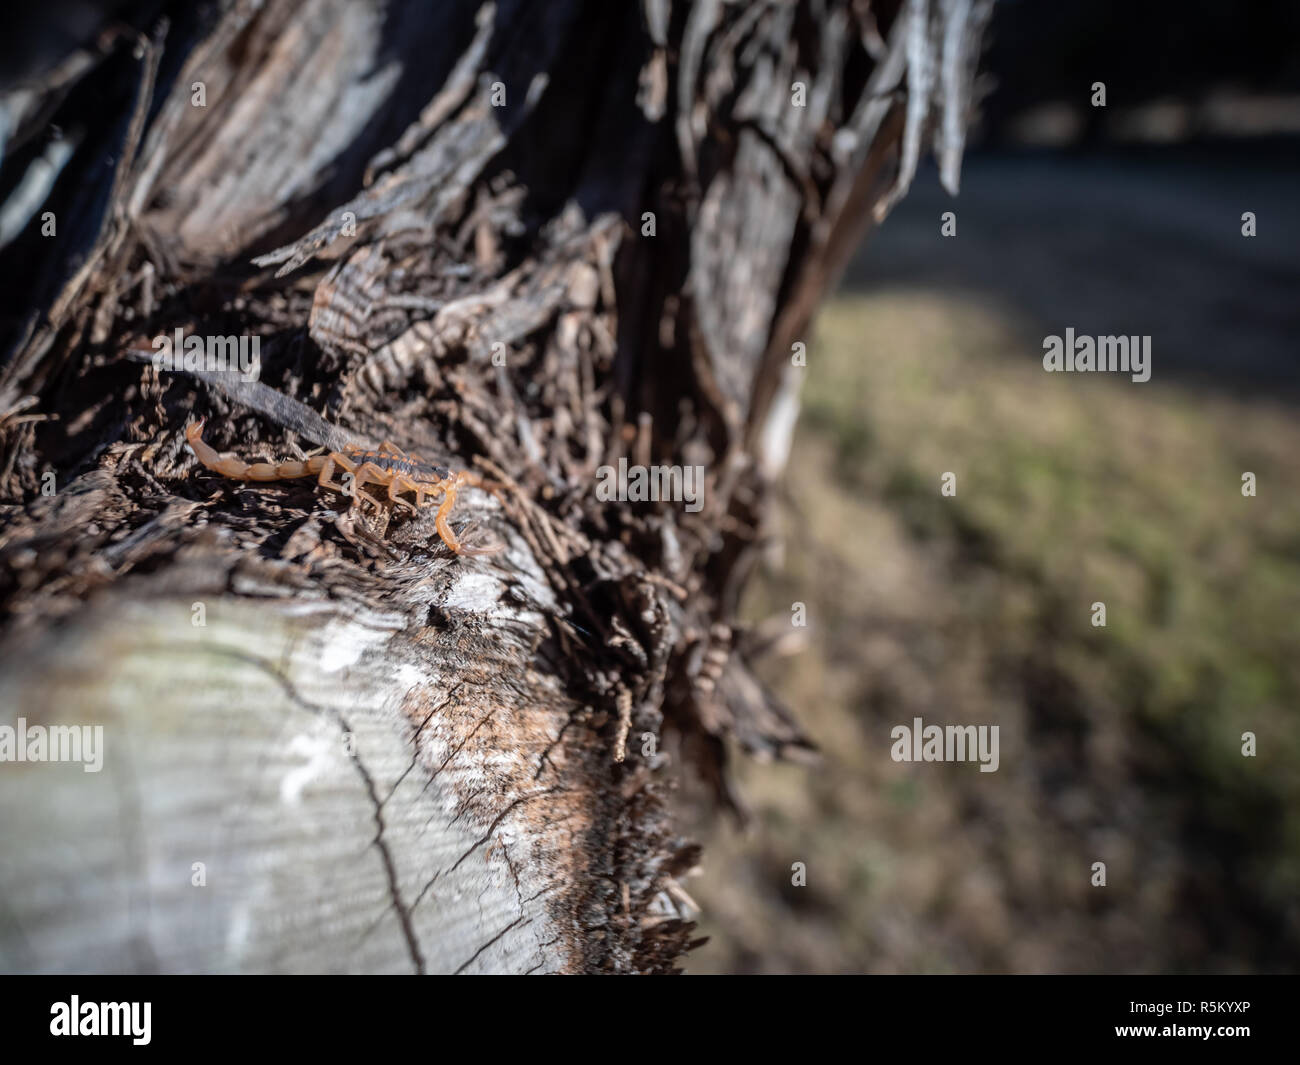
[1120,744]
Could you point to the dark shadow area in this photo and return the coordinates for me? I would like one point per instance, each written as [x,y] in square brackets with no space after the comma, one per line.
[1139,241]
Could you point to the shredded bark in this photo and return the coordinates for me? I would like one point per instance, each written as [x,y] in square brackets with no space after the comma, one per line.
[477,284]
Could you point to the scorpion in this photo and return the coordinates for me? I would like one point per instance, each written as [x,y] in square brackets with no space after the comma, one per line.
[401,473]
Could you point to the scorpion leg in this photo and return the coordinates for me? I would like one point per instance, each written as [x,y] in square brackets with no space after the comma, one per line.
[327,480]
[326,477]
[424,490]
[444,511]
[369,473]
[401,483]
[411,484]
[354,491]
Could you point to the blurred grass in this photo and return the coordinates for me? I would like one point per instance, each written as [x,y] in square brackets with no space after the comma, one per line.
[1120,744]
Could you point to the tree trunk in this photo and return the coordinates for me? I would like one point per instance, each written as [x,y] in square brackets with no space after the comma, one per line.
[532,239]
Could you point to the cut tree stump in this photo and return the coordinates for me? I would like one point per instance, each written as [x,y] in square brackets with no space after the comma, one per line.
[528,238]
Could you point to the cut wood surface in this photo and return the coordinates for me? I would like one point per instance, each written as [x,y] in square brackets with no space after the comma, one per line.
[527,239]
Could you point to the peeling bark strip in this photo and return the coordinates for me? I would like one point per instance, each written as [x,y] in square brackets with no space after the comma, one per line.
[529,238]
